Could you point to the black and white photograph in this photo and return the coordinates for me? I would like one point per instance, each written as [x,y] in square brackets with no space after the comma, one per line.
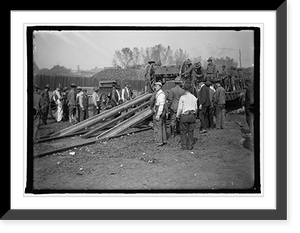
[143,109]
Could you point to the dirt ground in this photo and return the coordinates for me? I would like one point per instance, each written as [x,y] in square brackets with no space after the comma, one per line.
[221,160]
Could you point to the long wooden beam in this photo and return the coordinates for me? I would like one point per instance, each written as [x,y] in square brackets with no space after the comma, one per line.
[114,121]
[87,142]
[104,115]
[139,117]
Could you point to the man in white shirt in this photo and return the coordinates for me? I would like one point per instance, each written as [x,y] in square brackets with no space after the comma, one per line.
[96,101]
[159,116]
[186,111]
[57,97]
[80,92]
[126,93]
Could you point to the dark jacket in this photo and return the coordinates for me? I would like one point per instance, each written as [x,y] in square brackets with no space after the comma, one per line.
[220,96]
[174,96]
[204,97]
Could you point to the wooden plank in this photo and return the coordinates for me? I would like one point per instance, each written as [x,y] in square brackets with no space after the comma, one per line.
[139,117]
[105,125]
[102,116]
[87,142]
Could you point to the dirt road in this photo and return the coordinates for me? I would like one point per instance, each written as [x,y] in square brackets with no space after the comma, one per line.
[220,160]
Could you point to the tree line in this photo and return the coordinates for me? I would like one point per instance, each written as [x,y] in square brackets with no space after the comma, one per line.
[137,58]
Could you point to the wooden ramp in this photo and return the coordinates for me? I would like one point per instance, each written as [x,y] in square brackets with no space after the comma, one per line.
[102,116]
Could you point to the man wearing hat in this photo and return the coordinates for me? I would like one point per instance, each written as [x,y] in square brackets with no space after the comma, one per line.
[198,73]
[186,112]
[96,101]
[64,94]
[57,97]
[249,104]
[159,116]
[37,99]
[187,70]
[149,75]
[71,99]
[219,100]
[78,111]
[173,98]
[45,103]
[206,107]
[126,96]
[211,70]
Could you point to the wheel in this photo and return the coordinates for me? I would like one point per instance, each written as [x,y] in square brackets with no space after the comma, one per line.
[103,101]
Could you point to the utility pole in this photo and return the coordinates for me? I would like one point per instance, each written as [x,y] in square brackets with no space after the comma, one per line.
[240,57]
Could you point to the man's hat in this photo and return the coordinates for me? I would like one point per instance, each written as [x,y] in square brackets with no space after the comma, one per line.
[208,83]
[177,80]
[209,59]
[188,62]
[198,64]
[158,83]
[187,86]
[65,88]
[79,88]
[73,85]
[47,86]
[151,61]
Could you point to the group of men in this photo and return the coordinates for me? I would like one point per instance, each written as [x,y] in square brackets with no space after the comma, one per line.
[72,104]
[184,104]
[183,107]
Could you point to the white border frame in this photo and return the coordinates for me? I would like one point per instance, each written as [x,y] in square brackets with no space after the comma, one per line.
[265,19]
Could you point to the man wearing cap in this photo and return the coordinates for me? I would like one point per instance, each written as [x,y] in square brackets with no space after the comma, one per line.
[126,93]
[205,106]
[186,112]
[211,70]
[96,101]
[198,73]
[64,95]
[79,93]
[71,99]
[187,70]
[37,99]
[219,101]
[57,97]
[159,116]
[45,102]
[84,105]
[173,98]
[149,75]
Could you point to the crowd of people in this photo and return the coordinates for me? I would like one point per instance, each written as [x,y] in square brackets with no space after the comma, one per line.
[73,104]
[197,94]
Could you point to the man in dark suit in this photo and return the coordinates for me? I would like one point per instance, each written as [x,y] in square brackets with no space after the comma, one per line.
[173,99]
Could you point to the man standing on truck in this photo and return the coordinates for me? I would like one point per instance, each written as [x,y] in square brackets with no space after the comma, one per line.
[211,71]
[149,75]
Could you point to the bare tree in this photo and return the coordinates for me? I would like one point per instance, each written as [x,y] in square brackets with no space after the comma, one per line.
[124,57]
[180,56]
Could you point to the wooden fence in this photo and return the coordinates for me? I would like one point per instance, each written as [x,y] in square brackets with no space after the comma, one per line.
[65,81]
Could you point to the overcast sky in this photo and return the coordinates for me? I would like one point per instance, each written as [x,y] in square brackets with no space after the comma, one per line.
[89,49]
